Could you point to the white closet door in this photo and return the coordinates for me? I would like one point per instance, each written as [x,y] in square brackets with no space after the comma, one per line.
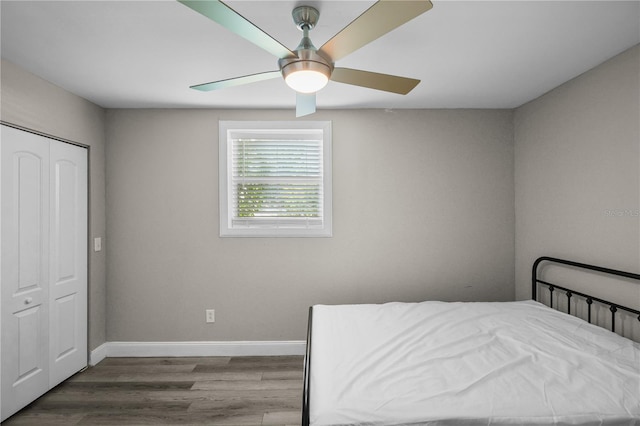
[25,268]
[68,260]
[43,297]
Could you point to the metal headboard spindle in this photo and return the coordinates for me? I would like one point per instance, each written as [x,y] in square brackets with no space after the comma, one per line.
[613,307]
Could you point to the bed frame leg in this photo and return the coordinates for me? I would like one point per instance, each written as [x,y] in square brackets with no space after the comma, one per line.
[306,384]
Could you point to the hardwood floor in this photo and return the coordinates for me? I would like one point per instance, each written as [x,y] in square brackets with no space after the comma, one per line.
[175,391]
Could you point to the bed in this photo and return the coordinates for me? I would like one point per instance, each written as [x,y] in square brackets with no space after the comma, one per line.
[475,363]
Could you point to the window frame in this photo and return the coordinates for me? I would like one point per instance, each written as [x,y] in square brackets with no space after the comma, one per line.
[226,131]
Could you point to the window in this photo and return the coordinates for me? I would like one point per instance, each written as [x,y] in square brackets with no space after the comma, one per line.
[275,179]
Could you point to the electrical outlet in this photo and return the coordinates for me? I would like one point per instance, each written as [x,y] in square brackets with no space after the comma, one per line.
[211,315]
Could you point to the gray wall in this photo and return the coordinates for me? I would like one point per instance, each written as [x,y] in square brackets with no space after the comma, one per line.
[423,206]
[577,172]
[30,102]
[423,209]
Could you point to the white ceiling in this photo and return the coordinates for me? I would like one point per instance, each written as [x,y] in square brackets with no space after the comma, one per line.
[468,54]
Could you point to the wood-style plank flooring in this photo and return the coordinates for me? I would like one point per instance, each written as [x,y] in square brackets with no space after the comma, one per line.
[176,391]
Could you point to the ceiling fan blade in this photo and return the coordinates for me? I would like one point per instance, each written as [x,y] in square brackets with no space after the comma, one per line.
[374,80]
[305,104]
[230,19]
[379,19]
[237,81]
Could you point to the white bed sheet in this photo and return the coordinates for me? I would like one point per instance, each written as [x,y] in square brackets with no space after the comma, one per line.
[438,363]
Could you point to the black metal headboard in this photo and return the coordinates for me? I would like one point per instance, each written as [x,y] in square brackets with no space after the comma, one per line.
[613,307]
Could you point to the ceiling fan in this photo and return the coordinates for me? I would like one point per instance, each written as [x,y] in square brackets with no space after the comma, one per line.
[307,69]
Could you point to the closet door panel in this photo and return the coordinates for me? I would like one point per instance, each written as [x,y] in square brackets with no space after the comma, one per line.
[28,197]
[68,271]
[25,267]
[27,322]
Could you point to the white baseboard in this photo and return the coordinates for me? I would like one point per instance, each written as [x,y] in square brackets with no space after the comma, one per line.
[98,354]
[172,349]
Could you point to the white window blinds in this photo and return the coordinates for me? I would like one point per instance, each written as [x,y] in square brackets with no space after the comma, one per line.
[276,179]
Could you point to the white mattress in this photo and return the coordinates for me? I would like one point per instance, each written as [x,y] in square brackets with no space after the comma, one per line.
[437,363]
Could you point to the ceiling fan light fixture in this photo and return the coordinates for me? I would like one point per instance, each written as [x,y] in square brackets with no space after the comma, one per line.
[306,76]
[306,81]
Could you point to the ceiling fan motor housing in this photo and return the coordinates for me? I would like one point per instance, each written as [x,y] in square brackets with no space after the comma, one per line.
[307,60]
